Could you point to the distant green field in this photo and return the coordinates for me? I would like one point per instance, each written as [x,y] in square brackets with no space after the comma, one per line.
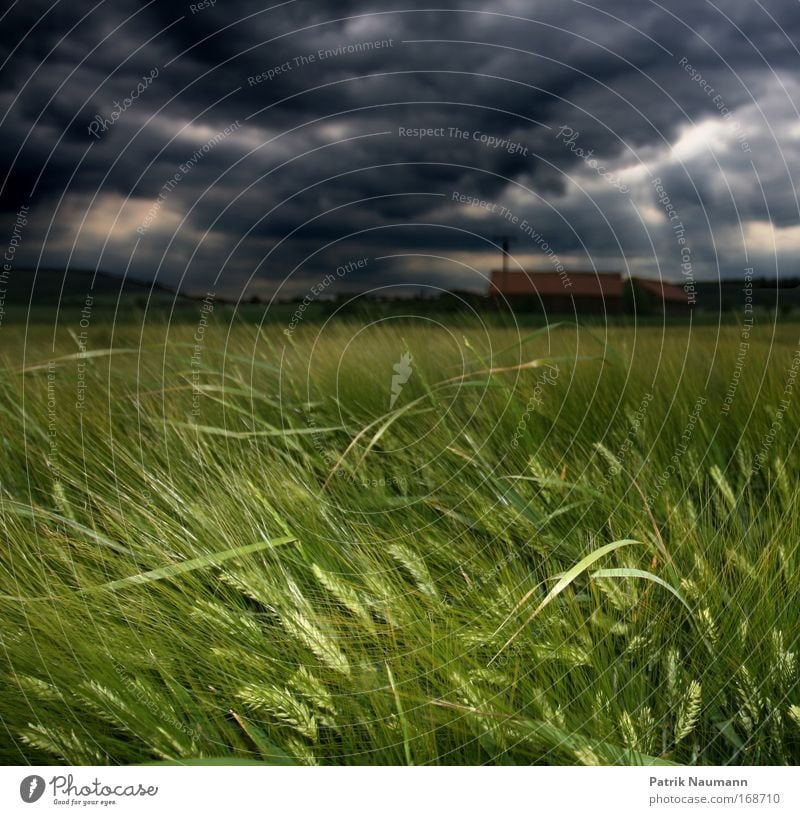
[408,541]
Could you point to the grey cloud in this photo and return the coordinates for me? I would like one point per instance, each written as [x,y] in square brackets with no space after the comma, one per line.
[613,74]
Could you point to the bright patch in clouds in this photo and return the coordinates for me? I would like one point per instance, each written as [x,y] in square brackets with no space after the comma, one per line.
[765,237]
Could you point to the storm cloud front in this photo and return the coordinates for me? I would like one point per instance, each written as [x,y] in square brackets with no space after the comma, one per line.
[254,151]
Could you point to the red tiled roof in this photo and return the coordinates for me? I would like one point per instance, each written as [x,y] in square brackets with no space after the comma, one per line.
[577,284]
[668,292]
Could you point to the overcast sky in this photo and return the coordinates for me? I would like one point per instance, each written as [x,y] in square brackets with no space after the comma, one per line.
[253,150]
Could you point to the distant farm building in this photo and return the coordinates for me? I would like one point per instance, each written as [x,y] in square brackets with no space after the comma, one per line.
[569,292]
[658,297]
[589,293]
[561,292]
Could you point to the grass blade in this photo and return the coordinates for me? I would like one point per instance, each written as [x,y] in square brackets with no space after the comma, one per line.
[568,577]
[641,573]
[193,564]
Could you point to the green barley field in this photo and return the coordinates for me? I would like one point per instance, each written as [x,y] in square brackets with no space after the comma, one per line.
[403,542]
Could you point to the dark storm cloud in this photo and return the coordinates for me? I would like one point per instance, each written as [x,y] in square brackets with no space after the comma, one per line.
[317,170]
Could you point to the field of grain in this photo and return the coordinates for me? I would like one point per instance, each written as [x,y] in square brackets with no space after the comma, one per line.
[412,541]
